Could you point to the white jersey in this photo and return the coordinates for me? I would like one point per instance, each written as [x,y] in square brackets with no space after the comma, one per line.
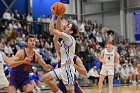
[67,52]
[109,57]
[1,64]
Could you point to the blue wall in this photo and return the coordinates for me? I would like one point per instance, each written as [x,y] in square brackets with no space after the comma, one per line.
[20,5]
[136,15]
[42,7]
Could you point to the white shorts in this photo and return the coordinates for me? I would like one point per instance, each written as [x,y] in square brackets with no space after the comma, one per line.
[107,70]
[3,82]
[66,74]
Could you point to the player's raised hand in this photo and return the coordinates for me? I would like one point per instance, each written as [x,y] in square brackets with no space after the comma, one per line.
[27,60]
[52,10]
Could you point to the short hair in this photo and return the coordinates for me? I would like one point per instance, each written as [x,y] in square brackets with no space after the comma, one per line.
[30,36]
[74,28]
[109,42]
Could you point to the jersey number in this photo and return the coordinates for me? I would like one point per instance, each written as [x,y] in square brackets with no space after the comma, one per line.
[27,68]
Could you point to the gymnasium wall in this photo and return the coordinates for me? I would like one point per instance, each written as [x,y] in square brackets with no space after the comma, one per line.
[43,7]
[20,5]
[106,13]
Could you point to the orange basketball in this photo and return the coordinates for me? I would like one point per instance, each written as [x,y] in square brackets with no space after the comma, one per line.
[59,8]
[138,66]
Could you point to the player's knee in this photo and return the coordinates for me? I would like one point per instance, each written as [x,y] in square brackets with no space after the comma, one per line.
[30,92]
[46,78]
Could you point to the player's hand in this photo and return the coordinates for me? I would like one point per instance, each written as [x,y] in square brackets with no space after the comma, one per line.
[53,12]
[48,68]
[27,60]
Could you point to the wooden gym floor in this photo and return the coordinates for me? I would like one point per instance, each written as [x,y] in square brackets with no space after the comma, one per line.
[121,89]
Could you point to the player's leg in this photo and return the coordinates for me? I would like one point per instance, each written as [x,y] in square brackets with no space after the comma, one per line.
[48,79]
[110,74]
[28,88]
[110,80]
[12,85]
[100,84]
[70,88]
[4,83]
[101,78]
[77,88]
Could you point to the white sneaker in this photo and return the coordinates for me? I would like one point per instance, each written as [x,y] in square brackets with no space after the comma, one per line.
[135,81]
[130,81]
[42,86]
[18,91]
[37,88]
[34,90]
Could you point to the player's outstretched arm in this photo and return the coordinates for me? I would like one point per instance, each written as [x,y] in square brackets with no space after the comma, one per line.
[57,44]
[80,67]
[52,29]
[42,63]
[16,60]
[58,23]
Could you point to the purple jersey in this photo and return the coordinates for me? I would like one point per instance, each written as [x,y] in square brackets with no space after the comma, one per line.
[19,75]
[62,87]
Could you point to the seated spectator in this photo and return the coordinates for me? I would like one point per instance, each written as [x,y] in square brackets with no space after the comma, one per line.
[46,54]
[124,73]
[35,79]
[118,71]
[136,74]
[131,73]
[93,75]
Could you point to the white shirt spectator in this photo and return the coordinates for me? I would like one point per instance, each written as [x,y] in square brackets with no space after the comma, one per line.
[8,50]
[82,28]
[29,18]
[124,71]
[7,16]
[93,72]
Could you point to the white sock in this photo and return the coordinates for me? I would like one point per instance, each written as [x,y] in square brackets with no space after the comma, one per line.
[59,91]
[100,91]
[110,92]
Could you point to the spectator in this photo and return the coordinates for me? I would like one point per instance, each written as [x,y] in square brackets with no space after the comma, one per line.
[93,75]
[124,74]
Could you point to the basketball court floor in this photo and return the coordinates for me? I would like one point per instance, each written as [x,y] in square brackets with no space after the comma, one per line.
[121,89]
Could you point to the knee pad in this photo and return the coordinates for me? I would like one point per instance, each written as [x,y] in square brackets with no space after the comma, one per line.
[30,92]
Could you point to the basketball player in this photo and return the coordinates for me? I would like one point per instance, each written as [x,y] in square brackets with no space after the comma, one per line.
[67,48]
[109,58]
[3,58]
[80,68]
[78,64]
[19,77]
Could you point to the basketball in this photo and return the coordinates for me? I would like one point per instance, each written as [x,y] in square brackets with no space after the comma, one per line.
[138,66]
[59,8]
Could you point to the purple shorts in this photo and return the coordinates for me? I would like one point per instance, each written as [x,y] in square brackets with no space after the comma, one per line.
[18,83]
[62,87]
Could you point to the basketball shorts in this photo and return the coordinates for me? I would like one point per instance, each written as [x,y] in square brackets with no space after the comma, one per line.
[107,70]
[3,82]
[66,74]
